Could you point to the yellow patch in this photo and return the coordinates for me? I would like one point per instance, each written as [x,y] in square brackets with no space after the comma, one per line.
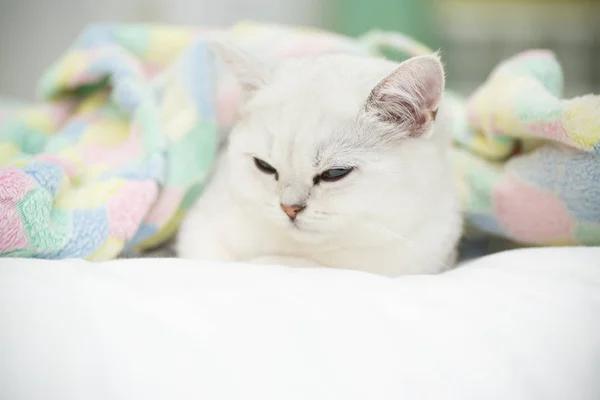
[167,43]
[92,172]
[73,64]
[7,151]
[93,102]
[179,116]
[582,121]
[75,157]
[90,195]
[39,121]
[164,234]
[561,242]
[105,133]
[109,250]
[490,148]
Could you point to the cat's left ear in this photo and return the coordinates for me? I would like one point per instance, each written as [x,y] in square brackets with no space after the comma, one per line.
[248,70]
[408,98]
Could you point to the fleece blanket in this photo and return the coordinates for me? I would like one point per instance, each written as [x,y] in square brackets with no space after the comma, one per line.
[124,140]
[527,161]
[125,137]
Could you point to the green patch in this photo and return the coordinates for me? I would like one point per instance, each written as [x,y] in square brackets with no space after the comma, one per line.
[29,140]
[135,39]
[147,115]
[481,179]
[191,196]
[46,227]
[90,88]
[20,253]
[588,233]
[190,159]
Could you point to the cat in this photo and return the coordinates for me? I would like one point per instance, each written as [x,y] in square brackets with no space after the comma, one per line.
[335,161]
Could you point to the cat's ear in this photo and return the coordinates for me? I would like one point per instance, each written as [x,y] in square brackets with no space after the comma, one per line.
[409,97]
[247,69]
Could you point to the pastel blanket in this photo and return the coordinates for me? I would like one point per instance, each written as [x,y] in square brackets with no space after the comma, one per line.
[125,137]
[527,160]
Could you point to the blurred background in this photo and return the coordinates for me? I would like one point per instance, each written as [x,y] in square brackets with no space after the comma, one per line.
[473,34]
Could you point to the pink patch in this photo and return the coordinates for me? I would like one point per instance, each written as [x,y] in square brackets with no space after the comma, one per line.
[151,69]
[127,208]
[119,155]
[67,166]
[60,112]
[14,185]
[530,214]
[550,130]
[165,207]
[12,234]
[495,129]
[83,78]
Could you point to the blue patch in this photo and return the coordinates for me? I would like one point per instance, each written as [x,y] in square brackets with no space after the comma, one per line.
[541,167]
[74,129]
[485,223]
[472,248]
[90,231]
[47,175]
[146,231]
[197,68]
[580,187]
[571,175]
[153,168]
[126,93]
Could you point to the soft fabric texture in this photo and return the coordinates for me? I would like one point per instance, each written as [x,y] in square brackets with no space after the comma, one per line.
[520,325]
[528,161]
[121,146]
[126,136]
[127,132]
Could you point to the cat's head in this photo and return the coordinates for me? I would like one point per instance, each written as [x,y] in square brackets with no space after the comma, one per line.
[327,143]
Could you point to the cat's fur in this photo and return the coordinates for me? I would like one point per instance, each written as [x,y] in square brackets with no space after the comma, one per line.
[395,213]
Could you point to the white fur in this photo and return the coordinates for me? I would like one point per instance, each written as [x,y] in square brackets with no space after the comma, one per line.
[395,213]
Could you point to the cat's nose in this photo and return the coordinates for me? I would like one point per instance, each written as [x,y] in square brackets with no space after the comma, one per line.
[292,210]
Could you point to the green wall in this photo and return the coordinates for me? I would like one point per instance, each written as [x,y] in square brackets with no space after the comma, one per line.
[411,17]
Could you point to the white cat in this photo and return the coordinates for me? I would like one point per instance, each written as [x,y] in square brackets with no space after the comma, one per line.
[336,161]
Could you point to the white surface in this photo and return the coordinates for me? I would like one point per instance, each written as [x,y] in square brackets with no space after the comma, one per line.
[519,325]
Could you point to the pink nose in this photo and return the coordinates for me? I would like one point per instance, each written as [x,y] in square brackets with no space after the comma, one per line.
[292,210]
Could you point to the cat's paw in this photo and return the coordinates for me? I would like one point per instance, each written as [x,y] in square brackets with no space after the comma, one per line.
[286,261]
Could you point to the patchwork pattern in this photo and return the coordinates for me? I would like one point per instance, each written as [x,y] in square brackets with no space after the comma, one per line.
[82,172]
[125,138]
[527,159]
[128,130]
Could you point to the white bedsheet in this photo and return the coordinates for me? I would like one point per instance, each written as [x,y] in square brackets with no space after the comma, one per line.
[518,325]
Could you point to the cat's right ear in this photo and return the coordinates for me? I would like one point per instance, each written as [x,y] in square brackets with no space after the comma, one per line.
[408,98]
[250,73]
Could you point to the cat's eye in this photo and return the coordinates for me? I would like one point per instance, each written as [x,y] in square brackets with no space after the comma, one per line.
[335,174]
[264,166]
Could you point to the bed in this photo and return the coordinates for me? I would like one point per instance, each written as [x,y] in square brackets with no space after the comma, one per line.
[521,324]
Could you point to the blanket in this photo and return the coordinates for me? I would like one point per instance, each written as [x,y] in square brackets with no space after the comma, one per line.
[125,137]
[527,161]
